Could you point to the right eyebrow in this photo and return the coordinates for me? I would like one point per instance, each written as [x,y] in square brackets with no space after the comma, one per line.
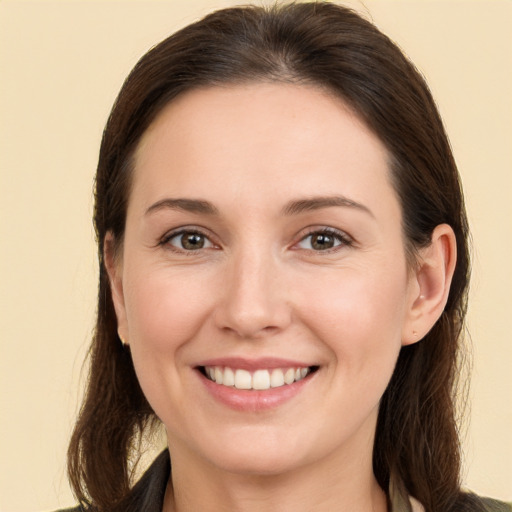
[187,205]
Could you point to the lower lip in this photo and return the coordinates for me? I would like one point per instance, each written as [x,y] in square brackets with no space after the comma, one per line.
[254,400]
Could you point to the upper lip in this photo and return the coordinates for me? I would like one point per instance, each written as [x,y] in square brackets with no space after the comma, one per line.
[254,364]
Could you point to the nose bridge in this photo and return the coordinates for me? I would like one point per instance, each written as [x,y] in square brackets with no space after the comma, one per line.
[254,300]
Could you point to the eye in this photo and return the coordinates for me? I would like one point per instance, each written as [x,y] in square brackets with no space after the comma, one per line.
[323,240]
[188,241]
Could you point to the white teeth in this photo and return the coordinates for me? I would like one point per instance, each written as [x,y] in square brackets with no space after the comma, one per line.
[243,380]
[289,376]
[277,378]
[229,377]
[259,380]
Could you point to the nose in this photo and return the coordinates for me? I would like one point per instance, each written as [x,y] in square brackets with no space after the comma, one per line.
[253,303]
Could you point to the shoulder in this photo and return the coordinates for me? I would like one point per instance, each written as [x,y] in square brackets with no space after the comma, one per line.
[467,502]
[470,502]
[496,506]
[148,493]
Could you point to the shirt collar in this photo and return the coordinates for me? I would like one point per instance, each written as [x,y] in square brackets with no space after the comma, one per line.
[148,494]
[400,501]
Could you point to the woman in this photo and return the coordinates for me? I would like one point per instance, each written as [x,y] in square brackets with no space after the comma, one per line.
[283,276]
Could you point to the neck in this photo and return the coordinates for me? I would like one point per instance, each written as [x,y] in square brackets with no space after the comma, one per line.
[324,486]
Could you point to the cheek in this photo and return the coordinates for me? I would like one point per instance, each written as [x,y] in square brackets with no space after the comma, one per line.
[359,315]
[164,309]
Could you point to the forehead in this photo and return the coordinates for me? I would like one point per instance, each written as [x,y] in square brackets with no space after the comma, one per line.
[267,137]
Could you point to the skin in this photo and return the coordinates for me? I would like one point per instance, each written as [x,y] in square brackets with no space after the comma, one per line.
[260,288]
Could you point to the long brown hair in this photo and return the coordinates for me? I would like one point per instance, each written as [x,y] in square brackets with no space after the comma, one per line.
[335,48]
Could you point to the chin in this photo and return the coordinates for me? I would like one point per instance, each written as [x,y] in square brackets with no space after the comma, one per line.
[261,465]
[272,455]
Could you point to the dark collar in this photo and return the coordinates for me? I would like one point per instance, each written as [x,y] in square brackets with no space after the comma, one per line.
[149,492]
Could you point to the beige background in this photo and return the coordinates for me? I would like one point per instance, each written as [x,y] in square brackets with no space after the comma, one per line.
[61,66]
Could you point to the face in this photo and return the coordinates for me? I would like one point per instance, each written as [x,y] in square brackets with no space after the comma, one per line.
[263,285]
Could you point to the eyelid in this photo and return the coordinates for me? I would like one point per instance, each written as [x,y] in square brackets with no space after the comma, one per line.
[169,235]
[345,239]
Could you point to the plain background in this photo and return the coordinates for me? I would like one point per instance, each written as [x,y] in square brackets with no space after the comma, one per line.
[62,64]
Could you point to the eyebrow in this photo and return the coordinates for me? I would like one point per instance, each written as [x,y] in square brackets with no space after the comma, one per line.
[317,203]
[188,205]
[292,208]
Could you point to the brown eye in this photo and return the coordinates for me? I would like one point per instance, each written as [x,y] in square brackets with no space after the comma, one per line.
[323,241]
[192,241]
[189,241]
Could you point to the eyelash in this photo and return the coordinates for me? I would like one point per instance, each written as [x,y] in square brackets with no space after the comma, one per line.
[339,236]
[175,234]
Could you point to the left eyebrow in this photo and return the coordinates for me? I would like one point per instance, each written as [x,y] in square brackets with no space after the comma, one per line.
[317,203]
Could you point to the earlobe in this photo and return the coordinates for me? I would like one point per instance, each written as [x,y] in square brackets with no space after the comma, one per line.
[114,268]
[430,284]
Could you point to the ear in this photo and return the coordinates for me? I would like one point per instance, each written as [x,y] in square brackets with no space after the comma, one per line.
[114,267]
[429,284]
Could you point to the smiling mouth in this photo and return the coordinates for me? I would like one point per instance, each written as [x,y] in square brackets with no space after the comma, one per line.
[259,380]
